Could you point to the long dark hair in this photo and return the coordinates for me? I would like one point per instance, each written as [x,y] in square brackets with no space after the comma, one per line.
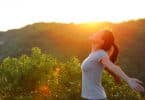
[109,42]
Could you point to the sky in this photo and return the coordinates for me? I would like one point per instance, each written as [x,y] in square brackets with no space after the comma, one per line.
[18,13]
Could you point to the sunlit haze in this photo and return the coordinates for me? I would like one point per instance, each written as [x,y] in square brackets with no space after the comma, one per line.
[17,13]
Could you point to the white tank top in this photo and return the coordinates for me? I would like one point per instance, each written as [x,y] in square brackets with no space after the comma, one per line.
[91,76]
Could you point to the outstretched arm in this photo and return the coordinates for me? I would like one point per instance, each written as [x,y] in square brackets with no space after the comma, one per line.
[132,82]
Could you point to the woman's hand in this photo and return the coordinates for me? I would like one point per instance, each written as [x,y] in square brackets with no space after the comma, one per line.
[135,84]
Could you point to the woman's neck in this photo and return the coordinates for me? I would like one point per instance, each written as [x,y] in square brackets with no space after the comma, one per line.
[93,49]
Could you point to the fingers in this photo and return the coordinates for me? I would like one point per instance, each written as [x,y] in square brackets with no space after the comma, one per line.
[138,88]
[139,81]
[136,85]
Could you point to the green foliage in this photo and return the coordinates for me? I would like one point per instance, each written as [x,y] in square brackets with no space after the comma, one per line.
[41,76]
[118,92]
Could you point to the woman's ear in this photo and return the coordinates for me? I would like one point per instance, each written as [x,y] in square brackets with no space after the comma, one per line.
[102,43]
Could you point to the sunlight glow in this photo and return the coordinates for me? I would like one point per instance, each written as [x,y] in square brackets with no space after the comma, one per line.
[17,13]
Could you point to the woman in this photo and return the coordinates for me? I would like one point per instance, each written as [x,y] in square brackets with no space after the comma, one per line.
[103,55]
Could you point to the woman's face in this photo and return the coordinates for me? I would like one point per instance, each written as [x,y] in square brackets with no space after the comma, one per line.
[96,39]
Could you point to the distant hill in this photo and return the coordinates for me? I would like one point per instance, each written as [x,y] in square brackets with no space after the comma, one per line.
[64,40]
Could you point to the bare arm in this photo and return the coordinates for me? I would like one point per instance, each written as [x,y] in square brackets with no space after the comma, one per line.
[132,82]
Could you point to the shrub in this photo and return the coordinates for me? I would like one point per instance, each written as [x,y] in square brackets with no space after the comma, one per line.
[42,76]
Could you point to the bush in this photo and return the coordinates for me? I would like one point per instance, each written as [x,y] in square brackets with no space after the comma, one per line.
[42,76]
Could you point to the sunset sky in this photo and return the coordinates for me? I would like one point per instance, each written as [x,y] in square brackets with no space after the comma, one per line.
[17,13]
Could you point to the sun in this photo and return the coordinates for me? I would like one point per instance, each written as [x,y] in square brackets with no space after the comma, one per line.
[16,13]
[100,10]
